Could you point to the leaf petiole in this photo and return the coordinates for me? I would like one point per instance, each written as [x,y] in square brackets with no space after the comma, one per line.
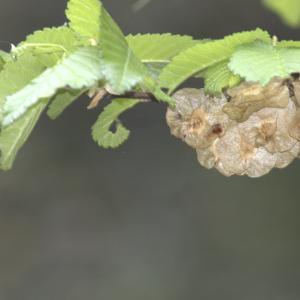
[16,51]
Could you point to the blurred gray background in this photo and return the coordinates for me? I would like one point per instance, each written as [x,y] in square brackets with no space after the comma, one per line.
[145,221]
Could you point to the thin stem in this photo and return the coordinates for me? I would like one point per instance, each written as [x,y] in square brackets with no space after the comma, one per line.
[19,49]
[140,96]
[103,95]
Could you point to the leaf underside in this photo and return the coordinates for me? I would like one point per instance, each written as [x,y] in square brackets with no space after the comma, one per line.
[261,62]
[122,69]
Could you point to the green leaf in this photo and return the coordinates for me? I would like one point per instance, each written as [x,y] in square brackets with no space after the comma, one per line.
[155,69]
[121,67]
[101,130]
[261,62]
[219,77]
[13,137]
[81,69]
[62,100]
[84,17]
[50,44]
[288,10]
[15,75]
[159,48]
[18,73]
[202,56]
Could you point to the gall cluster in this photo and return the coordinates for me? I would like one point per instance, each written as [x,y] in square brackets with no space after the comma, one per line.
[249,131]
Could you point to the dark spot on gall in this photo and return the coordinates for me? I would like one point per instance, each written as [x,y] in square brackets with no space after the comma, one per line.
[295,76]
[290,86]
[178,116]
[217,129]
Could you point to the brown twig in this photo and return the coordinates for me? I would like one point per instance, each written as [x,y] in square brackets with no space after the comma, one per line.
[141,96]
